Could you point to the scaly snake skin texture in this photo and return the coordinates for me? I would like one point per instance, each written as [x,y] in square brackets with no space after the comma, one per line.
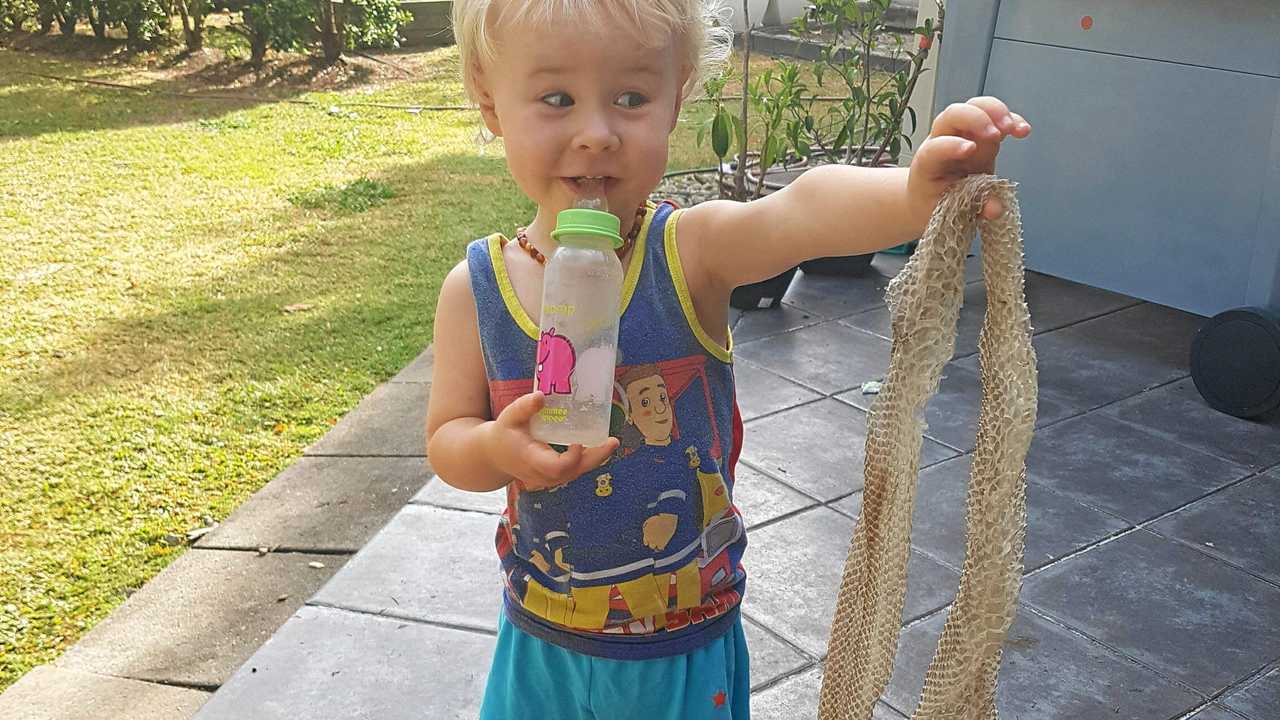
[925,300]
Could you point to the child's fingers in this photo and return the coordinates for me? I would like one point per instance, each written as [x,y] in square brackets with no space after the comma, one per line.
[553,469]
[520,412]
[992,208]
[561,467]
[996,110]
[548,466]
[569,461]
[965,120]
[593,458]
[952,156]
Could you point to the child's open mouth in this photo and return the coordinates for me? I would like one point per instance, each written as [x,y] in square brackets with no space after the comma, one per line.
[589,185]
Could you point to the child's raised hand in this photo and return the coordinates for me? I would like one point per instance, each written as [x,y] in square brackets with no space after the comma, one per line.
[964,140]
[534,464]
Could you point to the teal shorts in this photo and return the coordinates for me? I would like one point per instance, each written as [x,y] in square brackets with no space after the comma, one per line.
[532,678]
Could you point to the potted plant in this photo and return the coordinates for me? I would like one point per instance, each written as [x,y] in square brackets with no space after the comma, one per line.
[728,130]
[861,126]
[797,126]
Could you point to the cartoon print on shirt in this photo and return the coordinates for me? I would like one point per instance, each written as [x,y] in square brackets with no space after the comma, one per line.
[652,529]
[650,411]
[647,407]
[711,486]
[603,486]
[556,360]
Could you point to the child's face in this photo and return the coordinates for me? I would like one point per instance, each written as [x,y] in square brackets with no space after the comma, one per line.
[650,409]
[572,103]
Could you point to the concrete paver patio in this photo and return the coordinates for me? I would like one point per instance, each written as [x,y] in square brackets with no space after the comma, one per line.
[1152,589]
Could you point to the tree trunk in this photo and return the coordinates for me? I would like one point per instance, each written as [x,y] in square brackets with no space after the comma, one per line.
[67,22]
[740,172]
[132,39]
[257,49]
[97,21]
[330,26]
[192,23]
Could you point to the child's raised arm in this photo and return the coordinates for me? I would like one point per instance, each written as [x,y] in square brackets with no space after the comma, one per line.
[845,210]
[467,449]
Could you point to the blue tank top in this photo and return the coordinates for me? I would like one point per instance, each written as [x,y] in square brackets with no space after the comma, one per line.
[640,558]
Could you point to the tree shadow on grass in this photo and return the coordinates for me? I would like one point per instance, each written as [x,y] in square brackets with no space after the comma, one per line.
[369,281]
[170,91]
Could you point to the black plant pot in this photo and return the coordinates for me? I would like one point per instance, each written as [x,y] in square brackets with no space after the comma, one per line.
[842,266]
[777,178]
[763,294]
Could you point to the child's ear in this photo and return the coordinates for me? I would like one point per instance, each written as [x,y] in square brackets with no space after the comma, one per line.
[484,98]
[685,72]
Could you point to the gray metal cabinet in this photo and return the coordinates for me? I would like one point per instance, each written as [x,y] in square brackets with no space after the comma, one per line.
[1154,167]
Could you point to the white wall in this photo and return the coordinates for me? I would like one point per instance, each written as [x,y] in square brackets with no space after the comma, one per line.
[780,11]
[922,97]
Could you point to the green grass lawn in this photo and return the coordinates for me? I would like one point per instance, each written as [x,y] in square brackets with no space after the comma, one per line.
[150,380]
[150,377]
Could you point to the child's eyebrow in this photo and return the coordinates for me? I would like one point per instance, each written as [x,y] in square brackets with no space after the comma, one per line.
[549,70]
[629,71]
[642,70]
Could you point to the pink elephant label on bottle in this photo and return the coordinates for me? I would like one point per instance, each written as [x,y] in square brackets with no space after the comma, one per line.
[556,360]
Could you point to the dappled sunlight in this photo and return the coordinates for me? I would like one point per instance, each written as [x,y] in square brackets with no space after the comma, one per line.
[179,329]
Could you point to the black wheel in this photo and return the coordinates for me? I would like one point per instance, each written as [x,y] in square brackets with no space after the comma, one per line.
[1235,361]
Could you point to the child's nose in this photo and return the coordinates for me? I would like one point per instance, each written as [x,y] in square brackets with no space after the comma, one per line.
[596,134]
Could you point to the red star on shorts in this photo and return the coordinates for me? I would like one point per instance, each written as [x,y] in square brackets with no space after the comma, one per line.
[718,699]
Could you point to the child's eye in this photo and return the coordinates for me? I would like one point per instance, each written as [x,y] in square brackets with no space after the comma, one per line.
[558,99]
[630,100]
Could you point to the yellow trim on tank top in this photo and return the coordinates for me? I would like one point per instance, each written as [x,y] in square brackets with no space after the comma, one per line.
[496,241]
[516,310]
[724,354]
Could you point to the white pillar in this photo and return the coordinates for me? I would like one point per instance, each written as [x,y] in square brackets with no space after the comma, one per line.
[922,96]
[757,7]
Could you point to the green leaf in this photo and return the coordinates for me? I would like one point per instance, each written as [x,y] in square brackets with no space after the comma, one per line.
[770,154]
[841,139]
[739,132]
[912,112]
[720,134]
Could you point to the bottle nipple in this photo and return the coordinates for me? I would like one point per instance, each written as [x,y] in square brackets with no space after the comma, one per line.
[591,195]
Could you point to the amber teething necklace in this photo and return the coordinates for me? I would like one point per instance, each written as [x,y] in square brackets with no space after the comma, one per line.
[522,237]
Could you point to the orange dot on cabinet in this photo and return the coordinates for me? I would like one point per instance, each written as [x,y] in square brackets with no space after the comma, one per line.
[1086,22]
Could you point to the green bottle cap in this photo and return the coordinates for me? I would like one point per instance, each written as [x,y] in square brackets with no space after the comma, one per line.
[587,228]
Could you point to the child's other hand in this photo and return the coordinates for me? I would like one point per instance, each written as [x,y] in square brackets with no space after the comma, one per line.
[964,140]
[534,464]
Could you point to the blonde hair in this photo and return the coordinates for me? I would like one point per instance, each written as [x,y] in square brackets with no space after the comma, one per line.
[701,25]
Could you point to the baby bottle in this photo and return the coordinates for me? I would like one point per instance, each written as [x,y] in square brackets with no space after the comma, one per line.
[578,337]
